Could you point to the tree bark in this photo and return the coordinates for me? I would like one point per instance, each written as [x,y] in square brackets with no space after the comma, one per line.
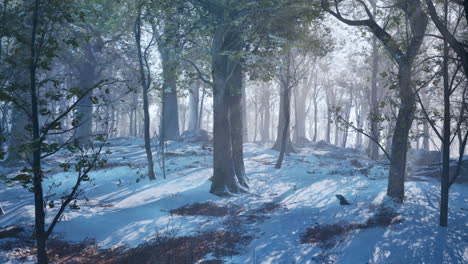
[266,113]
[300,112]
[375,112]
[245,130]
[194,89]
[18,134]
[346,129]
[285,134]
[426,100]
[329,122]
[286,91]
[20,120]
[396,179]
[169,125]
[315,120]
[337,130]
[444,184]
[87,79]
[227,112]
[237,134]
[284,129]
[359,112]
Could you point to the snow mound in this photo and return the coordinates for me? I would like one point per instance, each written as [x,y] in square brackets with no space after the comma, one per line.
[324,145]
[420,157]
[196,136]
[302,142]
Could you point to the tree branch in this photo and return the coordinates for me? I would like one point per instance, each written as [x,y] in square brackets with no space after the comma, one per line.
[200,74]
[340,118]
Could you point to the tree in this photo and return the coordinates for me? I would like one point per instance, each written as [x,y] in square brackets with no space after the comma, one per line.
[170,28]
[300,111]
[145,76]
[194,103]
[93,32]
[404,58]
[228,176]
[14,74]
[458,47]
[37,94]
[316,97]
[287,82]
[234,29]
[449,87]
[330,102]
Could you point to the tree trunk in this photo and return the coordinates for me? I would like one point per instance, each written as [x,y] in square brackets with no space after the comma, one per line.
[462,143]
[266,114]
[237,134]
[329,122]
[426,135]
[285,139]
[87,79]
[245,130]
[169,126]
[360,123]
[256,114]
[227,94]
[286,91]
[388,143]
[417,133]
[315,120]
[346,117]
[18,134]
[374,108]
[444,187]
[3,125]
[344,140]
[337,133]
[193,106]
[396,179]
[300,113]
[425,132]
[202,104]
[284,129]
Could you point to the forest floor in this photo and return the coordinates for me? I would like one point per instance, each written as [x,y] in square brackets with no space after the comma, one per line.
[291,215]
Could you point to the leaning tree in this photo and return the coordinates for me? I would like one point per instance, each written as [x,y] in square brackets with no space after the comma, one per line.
[403,49]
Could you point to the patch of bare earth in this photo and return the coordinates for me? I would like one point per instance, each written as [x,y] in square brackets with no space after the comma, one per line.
[174,250]
[207,209]
[59,251]
[188,249]
[11,231]
[269,207]
[164,249]
[328,235]
[262,213]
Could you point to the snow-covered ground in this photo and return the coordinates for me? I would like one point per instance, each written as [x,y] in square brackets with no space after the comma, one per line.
[116,209]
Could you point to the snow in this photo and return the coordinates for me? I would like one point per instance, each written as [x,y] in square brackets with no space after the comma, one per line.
[116,210]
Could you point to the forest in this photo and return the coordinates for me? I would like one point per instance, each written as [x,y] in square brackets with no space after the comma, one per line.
[233,131]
